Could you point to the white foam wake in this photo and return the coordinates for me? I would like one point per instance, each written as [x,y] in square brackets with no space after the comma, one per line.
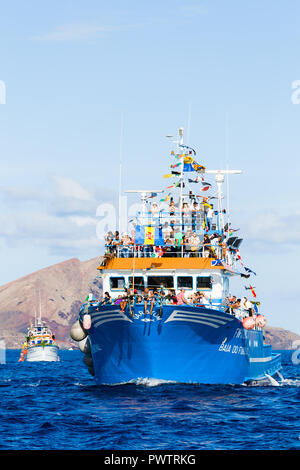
[145,382]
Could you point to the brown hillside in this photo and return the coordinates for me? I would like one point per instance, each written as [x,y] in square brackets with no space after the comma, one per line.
[62,287]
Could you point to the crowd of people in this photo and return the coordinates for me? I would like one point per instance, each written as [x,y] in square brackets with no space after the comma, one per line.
[184,234]
[156,296]
[151,297]
[176,243]
[236,306]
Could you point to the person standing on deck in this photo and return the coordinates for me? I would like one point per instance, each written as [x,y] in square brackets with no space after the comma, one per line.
[148,297]
[194,212]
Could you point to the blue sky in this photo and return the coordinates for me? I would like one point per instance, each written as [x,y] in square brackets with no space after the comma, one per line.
[72,68]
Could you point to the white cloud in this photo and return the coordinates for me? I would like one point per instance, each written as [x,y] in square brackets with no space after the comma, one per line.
[19,193]
[66,187]
[273,228]
[63,219]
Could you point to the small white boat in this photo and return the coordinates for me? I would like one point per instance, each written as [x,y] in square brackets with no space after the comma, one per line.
[40,344]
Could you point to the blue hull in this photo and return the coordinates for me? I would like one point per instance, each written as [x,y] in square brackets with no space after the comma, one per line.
[186,344]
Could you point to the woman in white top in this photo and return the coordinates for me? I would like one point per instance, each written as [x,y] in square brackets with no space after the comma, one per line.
[155,212]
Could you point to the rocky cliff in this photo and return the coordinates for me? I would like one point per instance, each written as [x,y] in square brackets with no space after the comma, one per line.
[58,290]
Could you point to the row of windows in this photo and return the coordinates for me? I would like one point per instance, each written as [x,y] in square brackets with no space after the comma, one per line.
[167,282]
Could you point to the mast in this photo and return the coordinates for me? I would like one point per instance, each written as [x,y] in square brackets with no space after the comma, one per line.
[181,173]
[220,180]
[120,172]
[40,318]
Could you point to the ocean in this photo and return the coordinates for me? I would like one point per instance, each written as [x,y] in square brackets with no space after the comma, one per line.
[56,406]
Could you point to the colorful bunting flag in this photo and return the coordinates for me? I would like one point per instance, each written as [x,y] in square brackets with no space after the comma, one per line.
[175,165]
[248,270]
[252,290]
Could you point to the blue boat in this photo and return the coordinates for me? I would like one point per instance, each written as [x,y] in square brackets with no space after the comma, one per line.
[167,313]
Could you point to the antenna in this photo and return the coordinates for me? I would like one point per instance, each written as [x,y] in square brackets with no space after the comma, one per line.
[220,180]
[182,166]
[189,124]
[40,304]
[120,171]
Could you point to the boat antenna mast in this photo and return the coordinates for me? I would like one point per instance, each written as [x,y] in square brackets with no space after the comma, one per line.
[179,143]
[220,180]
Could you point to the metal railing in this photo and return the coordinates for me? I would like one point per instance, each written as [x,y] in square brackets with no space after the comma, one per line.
[167,251]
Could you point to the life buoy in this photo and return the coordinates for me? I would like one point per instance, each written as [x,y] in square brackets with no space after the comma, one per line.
[260,321]
[87,322]
[248,323]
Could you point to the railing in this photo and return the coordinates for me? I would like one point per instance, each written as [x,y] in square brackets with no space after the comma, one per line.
[195,220]
[168,251]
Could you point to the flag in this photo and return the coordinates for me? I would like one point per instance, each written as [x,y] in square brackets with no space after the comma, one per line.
[147,235]
[205,188]
[193,181]
[198,168]
[169,175]
[187,163]
[238,255]
[217,262]
[252,290]
[175,172]
[249,270]
[175,165]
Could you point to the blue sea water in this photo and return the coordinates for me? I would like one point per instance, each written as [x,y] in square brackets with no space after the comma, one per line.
[58,406]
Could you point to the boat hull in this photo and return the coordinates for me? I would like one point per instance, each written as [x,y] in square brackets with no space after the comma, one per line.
[40,353]
[177,343]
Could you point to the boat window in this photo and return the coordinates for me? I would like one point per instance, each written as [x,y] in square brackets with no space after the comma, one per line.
[157,281]
[117,283]
[185,282]
[204,282]
[138,282]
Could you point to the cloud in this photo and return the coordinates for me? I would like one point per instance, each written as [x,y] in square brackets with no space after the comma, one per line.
[66,187]
[20,193]
[74,32]
[62,218]
[273,229]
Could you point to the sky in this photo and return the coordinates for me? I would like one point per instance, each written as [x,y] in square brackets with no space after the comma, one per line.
[80,80]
